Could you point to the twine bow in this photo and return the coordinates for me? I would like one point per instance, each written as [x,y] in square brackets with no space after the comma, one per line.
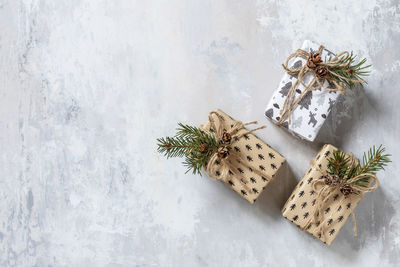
[330,185]
[322,72]
[227,159]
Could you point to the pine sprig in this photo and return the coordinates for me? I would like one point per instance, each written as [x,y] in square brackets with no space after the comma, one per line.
[373,161]
[338,163]
[191,143]
[194,133]
[349,72]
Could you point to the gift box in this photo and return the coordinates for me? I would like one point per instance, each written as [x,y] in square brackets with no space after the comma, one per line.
[254,163]
[311,112]
[306,201]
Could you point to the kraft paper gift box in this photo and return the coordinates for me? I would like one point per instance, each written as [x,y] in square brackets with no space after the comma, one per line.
[259,164]
[310,114]
[302,204]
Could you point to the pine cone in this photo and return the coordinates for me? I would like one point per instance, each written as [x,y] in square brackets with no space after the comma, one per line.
[331,179]
[321,71]
[204,148]
[313,60]
[346,189]
[222,152]
[226,138]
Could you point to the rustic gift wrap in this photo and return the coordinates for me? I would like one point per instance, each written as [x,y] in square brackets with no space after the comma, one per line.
[251,163]
[306,200]
[308,116]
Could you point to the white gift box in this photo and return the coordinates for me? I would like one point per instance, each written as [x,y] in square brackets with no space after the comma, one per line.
[310,114]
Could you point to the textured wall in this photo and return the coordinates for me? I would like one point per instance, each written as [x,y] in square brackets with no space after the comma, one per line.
[87,86]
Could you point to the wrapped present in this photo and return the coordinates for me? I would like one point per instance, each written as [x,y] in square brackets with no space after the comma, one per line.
[227,151]
[310,87]
[322,202]
[253,163]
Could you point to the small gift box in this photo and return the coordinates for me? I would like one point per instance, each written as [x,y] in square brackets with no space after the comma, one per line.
[252,162]
[310,87]
[227,151]
[324,198]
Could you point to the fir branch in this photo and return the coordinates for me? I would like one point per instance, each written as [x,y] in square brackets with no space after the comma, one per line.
[338,163]
[348,72]
[194,133]
[373,161]
[191,143]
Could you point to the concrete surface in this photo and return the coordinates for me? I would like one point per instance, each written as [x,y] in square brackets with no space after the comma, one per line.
[87,86]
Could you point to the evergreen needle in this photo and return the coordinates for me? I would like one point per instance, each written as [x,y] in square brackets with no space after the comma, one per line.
[348,72]
[373,161]
[190,143]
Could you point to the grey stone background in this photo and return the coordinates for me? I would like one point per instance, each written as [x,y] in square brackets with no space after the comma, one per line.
[87,86]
